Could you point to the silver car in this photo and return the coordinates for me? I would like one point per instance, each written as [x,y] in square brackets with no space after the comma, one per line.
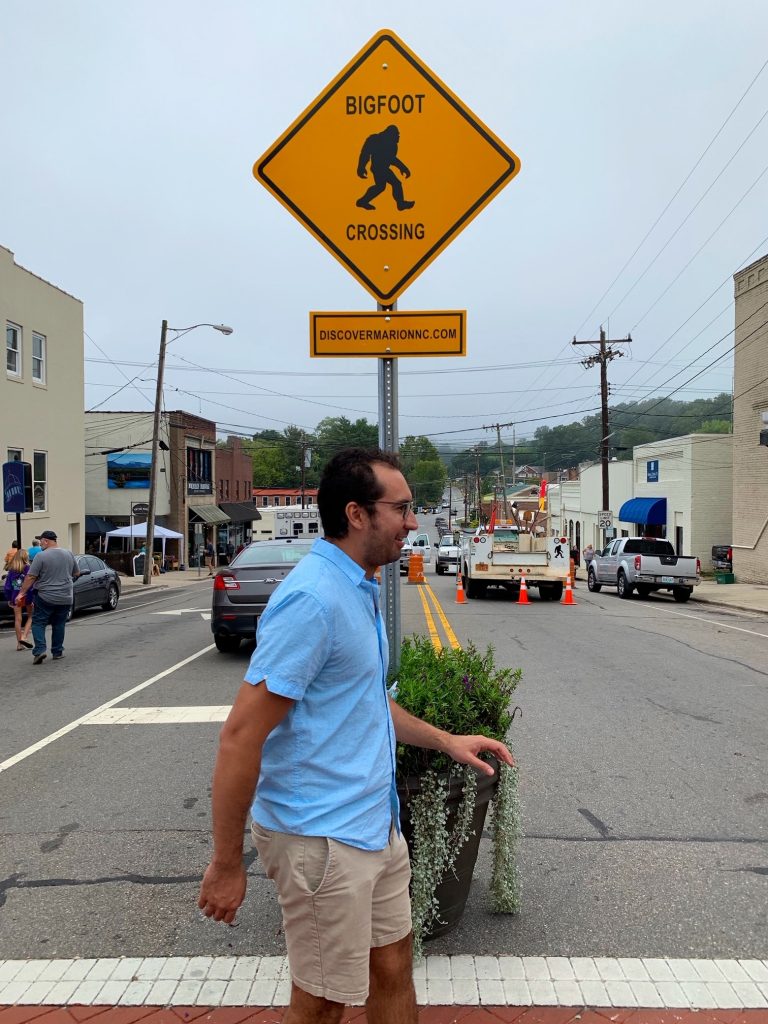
[242,588]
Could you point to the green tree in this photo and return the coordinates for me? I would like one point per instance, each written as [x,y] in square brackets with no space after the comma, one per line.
[423,469]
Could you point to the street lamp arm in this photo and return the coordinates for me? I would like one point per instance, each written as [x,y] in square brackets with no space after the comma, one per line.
[217,327]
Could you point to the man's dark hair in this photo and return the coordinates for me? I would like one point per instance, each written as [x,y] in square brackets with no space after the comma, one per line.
[349,477]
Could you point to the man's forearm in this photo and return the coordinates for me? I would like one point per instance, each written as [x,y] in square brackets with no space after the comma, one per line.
[234,781]
[409,729]
[29,582]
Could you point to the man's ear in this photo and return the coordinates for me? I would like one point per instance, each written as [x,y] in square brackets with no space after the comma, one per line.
[357,515]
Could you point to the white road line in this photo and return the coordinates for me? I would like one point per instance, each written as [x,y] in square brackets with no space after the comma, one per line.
[11,761]
[703,618]
[458,980]
[160,715]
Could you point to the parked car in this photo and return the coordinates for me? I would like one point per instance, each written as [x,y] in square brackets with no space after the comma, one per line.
[242,588]
[644,564]
[97,586]
[722,558]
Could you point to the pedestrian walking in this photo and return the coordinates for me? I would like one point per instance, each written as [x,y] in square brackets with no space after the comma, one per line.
[34,549]
[11,553]
[313,725]
[210,557]
[51,574]
[17,570]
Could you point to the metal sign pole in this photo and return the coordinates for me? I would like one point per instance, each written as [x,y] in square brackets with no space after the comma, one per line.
[389,441]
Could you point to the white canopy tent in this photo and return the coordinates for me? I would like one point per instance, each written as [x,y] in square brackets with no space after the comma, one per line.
[140,530]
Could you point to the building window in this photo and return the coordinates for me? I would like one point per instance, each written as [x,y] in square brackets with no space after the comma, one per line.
[276,500]
[237,490]
[264,501]
[226,488]
[15,455]
[199,469]
[13,349]
[38,358]
[40,481]
[221,489]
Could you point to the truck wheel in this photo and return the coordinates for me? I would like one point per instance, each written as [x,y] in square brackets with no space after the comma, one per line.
[555,591]
[592,585]
[438,570]
[474,589]
[623,588]
[681,594]
[643,590]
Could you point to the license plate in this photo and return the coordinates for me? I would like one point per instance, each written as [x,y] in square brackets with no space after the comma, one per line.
[667,579]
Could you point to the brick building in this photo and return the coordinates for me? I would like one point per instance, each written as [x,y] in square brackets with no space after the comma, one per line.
[750,417]
[266,496]
[234,484]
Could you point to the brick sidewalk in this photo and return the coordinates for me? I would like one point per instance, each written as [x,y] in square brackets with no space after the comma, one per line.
[356,1015]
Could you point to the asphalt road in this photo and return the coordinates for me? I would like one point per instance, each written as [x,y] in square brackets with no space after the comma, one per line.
[642,749]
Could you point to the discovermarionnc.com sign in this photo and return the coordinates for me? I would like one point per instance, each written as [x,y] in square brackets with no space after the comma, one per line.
[389,333]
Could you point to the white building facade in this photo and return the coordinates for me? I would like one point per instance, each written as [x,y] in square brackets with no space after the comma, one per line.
[41,397]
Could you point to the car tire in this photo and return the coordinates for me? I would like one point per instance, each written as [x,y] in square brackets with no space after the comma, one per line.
[438,570]
[226,644]
[555,591]
[474,589]
[112,598]
[681,594]
[623,588]
[643,591]
[592,585]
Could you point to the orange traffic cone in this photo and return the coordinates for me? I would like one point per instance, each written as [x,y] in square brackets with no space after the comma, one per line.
[461,597]
[523,598]
[568,599]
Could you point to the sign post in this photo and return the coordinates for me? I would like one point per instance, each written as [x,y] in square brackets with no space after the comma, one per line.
[17,491]
[385,168]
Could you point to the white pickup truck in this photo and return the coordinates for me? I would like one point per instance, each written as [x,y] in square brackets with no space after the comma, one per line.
[447,555]
[643,564]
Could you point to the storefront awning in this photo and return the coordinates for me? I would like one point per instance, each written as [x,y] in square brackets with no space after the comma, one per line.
[98,524]
[652,511]
[208,513]
[240,511]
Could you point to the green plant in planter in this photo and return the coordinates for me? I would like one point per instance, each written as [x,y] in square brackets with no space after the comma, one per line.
[462,692]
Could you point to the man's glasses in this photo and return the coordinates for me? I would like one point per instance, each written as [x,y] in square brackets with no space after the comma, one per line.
[405,508]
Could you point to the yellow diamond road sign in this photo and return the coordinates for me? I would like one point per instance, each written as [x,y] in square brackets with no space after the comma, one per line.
[386,167]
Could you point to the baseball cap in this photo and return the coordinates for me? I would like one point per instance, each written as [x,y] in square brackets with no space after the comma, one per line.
[48,535]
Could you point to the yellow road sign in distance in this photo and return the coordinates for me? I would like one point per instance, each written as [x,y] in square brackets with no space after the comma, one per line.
[386,334]
[386,166]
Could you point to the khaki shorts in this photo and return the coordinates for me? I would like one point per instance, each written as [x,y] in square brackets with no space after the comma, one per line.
[337,902]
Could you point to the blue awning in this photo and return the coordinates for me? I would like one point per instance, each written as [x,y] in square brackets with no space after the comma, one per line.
[652,511]
[98,524]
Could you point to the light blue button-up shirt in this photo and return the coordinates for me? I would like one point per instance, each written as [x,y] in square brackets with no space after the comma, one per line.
[328,769]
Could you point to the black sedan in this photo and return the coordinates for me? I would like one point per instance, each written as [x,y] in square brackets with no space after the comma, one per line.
[242,588]
[97,586]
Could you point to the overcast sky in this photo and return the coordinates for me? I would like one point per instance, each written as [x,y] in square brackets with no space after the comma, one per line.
[129,132]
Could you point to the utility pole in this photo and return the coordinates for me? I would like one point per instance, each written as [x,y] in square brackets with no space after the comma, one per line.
[602,357]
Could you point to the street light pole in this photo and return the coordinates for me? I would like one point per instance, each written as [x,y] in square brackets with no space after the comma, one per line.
[154,469]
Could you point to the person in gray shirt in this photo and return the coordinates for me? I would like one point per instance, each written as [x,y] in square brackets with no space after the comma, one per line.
[51,574]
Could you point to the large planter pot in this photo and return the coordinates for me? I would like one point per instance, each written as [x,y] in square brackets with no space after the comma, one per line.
[453,891]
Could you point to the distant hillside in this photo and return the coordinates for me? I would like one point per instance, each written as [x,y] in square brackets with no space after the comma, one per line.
[631,423]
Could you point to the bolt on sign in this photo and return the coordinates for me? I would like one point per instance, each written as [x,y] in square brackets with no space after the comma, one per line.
[386,166]
[389,333]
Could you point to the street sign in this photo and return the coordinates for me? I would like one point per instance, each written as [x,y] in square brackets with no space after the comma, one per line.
[140,508]
[17,487]
[388,334]
[386,166]
[604,520]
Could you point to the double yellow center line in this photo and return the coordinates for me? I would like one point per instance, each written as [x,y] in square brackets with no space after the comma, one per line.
[431,627]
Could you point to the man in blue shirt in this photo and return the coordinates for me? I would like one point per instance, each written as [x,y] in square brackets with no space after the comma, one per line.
[314,726]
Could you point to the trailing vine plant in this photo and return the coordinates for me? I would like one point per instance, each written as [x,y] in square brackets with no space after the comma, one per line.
[460,691]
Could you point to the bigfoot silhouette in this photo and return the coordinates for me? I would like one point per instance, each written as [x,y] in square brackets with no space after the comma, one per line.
[381,150]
